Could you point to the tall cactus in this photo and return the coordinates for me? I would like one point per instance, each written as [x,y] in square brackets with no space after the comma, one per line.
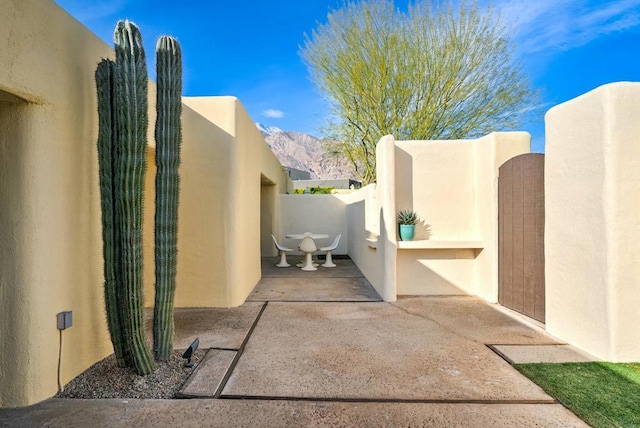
[168,136]
[122,153]
[131,96]
[111,239]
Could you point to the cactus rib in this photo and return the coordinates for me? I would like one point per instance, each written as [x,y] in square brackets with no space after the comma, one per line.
[131,83]
[168,139]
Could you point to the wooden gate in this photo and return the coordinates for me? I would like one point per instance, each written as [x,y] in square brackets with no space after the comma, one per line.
[521,235]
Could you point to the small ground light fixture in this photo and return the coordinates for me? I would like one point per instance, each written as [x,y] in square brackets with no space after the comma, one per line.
[188,354]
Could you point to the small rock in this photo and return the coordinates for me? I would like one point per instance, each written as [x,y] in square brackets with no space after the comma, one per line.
[105,379]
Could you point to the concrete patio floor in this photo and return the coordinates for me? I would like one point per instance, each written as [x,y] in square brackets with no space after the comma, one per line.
[313,360]
[343,283]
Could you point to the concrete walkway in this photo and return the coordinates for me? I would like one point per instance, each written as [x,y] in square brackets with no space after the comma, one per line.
[337,356]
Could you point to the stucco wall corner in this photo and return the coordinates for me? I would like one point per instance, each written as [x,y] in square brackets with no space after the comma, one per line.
[386,185]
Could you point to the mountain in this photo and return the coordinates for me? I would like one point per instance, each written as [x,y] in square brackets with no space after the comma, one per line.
[306,152]
[267,130]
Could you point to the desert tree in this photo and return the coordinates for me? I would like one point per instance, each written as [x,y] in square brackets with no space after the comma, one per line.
[440,70]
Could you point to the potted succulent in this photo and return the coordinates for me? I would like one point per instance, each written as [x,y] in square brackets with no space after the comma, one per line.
[407,221]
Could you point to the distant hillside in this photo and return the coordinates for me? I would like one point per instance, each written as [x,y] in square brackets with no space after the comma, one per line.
[306,152]
[267,130]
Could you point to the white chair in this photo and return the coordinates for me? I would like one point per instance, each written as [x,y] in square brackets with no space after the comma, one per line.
[308,247]
[283,253]
[329,249]
[307,234]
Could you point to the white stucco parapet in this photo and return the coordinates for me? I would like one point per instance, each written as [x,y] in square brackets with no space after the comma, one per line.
[592,236]
[453,187]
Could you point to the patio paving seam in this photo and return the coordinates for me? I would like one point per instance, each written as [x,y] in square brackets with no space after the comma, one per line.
[542,353]
[499,353]
[322,301]
[211,369]
[239,353]
[385,400]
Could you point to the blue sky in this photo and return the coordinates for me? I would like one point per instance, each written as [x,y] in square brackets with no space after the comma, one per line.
[250,49]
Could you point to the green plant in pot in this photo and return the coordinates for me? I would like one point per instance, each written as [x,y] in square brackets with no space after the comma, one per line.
[407,221]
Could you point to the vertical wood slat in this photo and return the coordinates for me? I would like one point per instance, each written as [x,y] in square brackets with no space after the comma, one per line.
[507,237]
[539,294]
[518,238]
[501,260]
[529,236]
[521,235]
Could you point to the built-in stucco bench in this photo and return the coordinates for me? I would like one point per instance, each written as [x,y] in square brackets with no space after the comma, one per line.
[428,244]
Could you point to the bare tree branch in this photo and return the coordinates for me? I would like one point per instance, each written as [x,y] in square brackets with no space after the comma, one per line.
[442,70]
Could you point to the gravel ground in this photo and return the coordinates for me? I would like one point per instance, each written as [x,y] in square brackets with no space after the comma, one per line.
[105,379]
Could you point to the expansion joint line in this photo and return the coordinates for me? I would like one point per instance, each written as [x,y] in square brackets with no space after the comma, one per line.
[234,363]
[387,400]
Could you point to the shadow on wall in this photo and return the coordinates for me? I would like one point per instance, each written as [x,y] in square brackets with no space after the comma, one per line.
[423,230]
[363,237]
[404,180]
[268,216]
[404,190]
[421,271]
[405,194]
[14,304]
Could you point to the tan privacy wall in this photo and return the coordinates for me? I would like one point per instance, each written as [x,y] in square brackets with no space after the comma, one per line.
[228,176]
[363,217]
[50,232]
[202,276]
[324,214]
[592,237]
[369,226]
[453,187]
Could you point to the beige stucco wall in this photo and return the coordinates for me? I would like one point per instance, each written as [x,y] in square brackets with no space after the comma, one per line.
[385,197]
[453,187]
[435,178]
[50,233]
[240,234]
[357,216]
[313,213]
[592,234]
[269,220]
[202,277]
[363,212]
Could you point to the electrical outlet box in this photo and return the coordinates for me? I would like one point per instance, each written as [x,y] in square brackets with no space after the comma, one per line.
[65,320]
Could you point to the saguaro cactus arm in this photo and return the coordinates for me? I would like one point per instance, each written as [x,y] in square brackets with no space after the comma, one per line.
[131,83]
[168,134]
[107,155]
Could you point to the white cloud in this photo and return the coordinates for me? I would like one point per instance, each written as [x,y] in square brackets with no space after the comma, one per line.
[565,24]
[273,114]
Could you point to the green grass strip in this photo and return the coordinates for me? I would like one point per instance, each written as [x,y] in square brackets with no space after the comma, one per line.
[602,394]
